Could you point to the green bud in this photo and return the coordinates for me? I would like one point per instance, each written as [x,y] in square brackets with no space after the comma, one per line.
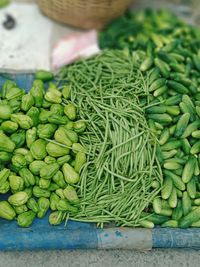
[66,91]
[43,204]
[79,126]
[15,104]
[18,138]
[63,159]
[5,156]
[27,176]
[56,217]
[53,201]
[34,113]
[38,149]
[18,161]
[62,137]
[69,125]
[4,175]
[57,109]
[44,183]
[7,86]
[18,198]
[58,178]
[49,171]
[36,166]
[63,205]
[5,187]
[70,111]
[16,183]
[6,211]
[46,130]
[5,143]
[29,158]
[14,92]
[70,194]
[77,147]
[9,126]
[27,102]
[57,119]
[31,136]
[44,115]
[60,193]
[29,191]
[33,205]
[39,192]
[71,176]
[26,219]
[20,209]
[53,96]
[22,151]
[24,121]
[37,91]
[44,75]
[49,160]
[53,187]
[55,150]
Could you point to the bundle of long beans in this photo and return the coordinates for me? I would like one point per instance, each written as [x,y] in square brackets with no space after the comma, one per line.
[122,174]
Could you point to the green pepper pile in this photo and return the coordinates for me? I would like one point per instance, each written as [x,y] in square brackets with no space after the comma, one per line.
[40,153]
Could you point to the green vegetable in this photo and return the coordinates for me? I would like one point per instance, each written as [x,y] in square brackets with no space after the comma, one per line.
[4,174]
[9,126]
[58,178]
[21,209]
[27,176]
[18,138]
[63,159]
[56,150]
[54,198]
[44,75]
[46,130]
[48,171]
[37,91]
[6,211]
[26,219]
[70,111]
[66,90]
[61,136]
[31,136]
[43,204]
[33,205]
[38,149]
[24,121]
[18,161]
[190,218]
[18,198]
[53,96]
[36,166]
[5,143]
[70,194]
[39,192]
[70,175]
[49,160]
[63,205]
[56,217]
[44,183]
[27,102]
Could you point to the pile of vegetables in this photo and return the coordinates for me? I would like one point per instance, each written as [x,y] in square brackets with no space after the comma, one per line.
[40,154]
[168,52]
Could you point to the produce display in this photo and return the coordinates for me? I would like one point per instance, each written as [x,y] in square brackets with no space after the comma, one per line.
[115,138]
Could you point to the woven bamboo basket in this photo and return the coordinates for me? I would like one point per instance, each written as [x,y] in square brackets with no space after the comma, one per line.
[85,14]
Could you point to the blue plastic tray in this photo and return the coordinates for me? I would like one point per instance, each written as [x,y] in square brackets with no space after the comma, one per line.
[75,235]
